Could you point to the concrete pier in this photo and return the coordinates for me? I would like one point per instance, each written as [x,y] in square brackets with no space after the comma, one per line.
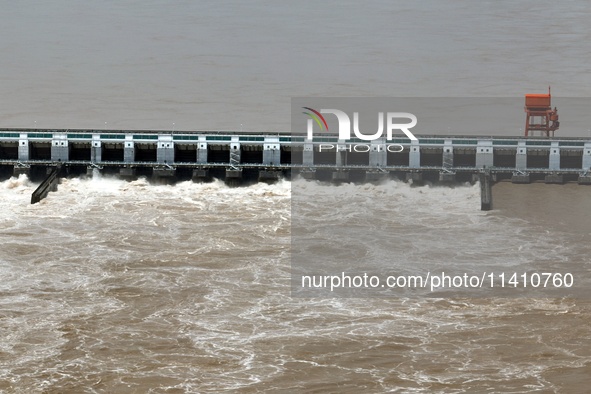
[414,176]
[447,177]
[340,176]
[485,191]
[269,176]
[520,178]
[233,177]
[554,179]
[233,174]
[375,176]
[127,173]
[201,175]
[163,172]
[308,174]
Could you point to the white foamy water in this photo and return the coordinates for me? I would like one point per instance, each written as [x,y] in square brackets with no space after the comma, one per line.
[394,228]
[126,287]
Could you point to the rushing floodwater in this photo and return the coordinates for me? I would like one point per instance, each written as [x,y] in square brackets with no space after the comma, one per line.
[123,287]
[109,286]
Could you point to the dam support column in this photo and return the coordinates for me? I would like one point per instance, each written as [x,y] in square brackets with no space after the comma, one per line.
[165,149]
[520,175]
[202,152]
[377,154]
[447,175]
[269,176]
[341,175]
[128,157]
[414,161]
[233,176]
[485,191]
[271,151]
[308,155]
[521,156]
[96,149]
[129,149]
[308,161]
[376,175]
[163,174]
[554,158]
[585,177]
[554,164]
[557,179]
[414,155]
[201,175]
[271,156]
[23,155]
[127,173]
[234,152]
[484,154]
[378,159]
[414,176]
[23,147]
[59,148]
[586,157]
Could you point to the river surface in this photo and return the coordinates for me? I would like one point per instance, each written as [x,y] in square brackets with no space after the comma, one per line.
[129,287]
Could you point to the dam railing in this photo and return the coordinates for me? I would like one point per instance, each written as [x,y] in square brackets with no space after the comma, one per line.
[237,156]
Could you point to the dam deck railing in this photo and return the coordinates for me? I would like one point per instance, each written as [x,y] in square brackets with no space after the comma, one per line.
[237,156]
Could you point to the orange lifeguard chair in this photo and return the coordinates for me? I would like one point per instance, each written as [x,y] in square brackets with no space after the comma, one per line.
[539,115]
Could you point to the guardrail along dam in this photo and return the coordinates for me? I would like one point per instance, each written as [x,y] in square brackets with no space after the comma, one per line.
[240,156]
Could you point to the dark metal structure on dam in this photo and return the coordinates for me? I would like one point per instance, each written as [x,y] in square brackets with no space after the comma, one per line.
[236,156]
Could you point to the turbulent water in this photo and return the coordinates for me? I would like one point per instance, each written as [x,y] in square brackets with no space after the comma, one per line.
[124,286]
[109,286]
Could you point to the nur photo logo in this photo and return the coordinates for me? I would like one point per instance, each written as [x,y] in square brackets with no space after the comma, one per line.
[353,124]
[344,122]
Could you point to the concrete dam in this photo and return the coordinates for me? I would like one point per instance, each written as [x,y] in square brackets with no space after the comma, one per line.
[247,156]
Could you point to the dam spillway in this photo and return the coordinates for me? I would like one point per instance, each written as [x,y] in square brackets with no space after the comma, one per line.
[267,156]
